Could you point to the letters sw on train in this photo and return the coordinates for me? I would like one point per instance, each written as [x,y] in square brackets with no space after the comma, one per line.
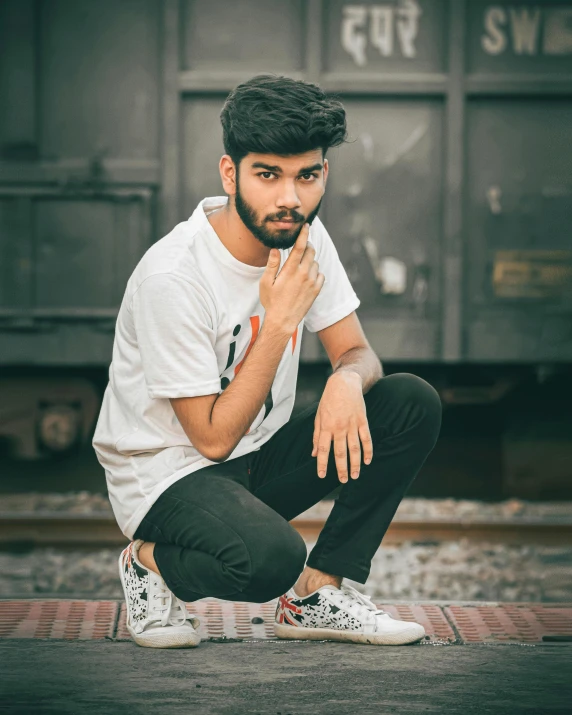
[393,29]
[528,30]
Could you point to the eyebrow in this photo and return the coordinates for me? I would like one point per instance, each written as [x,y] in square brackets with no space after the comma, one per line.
[278,170]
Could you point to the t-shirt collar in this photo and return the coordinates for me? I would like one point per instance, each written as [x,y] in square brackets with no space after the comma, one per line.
[213,241]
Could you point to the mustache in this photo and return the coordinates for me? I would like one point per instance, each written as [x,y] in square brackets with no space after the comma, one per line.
[296,217]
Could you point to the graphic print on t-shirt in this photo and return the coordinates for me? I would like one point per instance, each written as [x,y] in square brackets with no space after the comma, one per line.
[255,329]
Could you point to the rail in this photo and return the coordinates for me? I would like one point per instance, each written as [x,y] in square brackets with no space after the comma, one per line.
[100,530]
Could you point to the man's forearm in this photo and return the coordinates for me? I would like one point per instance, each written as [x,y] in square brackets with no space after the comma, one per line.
[362,361]
[236,408]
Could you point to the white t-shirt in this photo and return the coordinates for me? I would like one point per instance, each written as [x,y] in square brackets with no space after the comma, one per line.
[189,315]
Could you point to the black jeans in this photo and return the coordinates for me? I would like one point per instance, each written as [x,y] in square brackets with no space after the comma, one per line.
[223,531]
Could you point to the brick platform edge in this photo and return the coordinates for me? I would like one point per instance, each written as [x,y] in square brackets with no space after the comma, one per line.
[446,623]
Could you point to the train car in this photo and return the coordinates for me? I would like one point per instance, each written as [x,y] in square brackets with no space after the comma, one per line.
[451,207]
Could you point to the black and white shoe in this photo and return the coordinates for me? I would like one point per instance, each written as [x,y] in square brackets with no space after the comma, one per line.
[156,618]
[341,614]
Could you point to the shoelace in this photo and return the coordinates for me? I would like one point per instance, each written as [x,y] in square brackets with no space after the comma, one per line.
[351,595]
[173,609]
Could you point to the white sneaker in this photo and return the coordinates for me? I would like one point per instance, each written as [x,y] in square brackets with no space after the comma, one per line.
[156,618]
[341,614]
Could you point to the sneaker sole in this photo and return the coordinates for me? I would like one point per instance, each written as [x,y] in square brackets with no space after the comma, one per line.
[165,640]
[320,634]
[156,640]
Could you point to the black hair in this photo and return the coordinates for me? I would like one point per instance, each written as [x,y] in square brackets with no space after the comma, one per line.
[270,114]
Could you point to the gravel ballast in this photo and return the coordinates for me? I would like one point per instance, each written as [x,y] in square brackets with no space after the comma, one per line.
[412,570]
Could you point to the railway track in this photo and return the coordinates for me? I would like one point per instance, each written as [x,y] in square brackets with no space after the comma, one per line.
[100,530]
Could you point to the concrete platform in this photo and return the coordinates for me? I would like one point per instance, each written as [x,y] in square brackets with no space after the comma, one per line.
[267,677]
[75,656]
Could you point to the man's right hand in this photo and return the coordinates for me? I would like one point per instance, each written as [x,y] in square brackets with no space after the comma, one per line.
[287,298]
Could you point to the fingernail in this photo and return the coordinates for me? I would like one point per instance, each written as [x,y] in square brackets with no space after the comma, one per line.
[321,474]
[355,475]
[367,461]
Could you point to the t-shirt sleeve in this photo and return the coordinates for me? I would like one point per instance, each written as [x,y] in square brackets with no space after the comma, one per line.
[176,335]
[337,299]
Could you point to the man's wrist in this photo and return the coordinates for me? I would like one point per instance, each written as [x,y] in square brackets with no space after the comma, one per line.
[276,329]
[348,373]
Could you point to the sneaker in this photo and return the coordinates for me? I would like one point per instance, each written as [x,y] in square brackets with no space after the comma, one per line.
[340,614]
[156,618]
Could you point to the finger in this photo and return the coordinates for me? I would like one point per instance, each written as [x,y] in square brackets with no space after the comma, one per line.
[273,263]
[355,452]
[341,455]
[309,255]
[313,271]
[315,436]
[320,280]
[299,247]
[324,441]
[367,444]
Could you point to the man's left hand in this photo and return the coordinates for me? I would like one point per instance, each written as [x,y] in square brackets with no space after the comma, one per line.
[341,417]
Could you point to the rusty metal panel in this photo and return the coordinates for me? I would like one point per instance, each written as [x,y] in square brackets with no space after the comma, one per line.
[519,213]
[383,208]
[57,342]
[75,253]
[65,258]
[523,37]
[536,443]
[520,174]
[16,252]
[17,118]
[396,36]
[256,35]
[99,66]
[66,255]
[202,150]
[78,245]
[532,274]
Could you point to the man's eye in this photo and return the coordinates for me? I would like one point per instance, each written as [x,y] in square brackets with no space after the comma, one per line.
[309,176]
[266,174]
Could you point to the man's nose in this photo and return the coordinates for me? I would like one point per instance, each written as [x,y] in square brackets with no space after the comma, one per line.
[288,197]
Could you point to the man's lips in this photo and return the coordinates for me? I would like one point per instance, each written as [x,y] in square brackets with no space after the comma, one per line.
[284,222]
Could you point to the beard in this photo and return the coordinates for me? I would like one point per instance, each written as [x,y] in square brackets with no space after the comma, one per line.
[269,236]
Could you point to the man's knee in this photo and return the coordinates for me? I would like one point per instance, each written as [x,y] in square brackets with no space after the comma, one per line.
[411,390]
[262,570]
[276,565]
[415,389]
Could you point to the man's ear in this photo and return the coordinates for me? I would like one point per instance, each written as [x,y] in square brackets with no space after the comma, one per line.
[326,170]
[227,171]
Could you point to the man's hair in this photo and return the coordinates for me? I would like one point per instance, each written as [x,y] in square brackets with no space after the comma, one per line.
[270,114]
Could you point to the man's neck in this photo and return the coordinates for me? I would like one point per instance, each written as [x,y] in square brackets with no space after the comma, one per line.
[237,239]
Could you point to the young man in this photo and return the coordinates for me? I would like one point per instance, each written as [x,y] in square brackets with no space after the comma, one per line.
[204,466]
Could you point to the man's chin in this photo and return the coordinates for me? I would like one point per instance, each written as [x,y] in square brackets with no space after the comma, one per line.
[281,237]
[283,244]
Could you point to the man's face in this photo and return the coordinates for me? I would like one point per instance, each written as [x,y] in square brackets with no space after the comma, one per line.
[276,195]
